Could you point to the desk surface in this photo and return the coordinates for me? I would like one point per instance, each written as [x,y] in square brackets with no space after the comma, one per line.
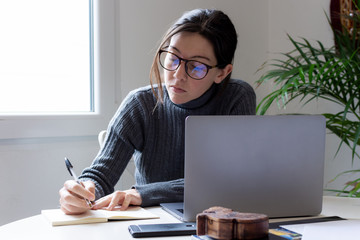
[37,227]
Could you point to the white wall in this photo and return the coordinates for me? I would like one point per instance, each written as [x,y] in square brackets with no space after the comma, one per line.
[32,170]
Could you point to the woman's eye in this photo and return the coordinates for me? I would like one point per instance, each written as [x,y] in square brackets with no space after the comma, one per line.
[174,59]
[196,66]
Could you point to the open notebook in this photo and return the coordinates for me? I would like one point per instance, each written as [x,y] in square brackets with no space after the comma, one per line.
[58,218]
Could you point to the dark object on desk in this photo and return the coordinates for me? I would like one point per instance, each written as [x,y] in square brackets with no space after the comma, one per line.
[223,223]
[166,229]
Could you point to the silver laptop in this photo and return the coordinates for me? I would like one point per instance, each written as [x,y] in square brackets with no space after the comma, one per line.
[260,164]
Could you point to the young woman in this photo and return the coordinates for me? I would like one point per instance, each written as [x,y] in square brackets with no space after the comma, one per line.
[190,75]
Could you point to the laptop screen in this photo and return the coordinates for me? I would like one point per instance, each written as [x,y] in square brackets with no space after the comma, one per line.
[262,164]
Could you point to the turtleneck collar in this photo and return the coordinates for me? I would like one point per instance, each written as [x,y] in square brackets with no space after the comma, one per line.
[200,101]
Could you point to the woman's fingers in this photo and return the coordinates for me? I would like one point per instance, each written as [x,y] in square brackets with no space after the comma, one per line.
[72,196]
[83,190]
[110,201]
[72,204]
[127,200]
[123,198]
[102,202]
[132,197]
[90,186]
[117,199]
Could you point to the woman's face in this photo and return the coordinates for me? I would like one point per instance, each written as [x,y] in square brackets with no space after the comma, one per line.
[192,46]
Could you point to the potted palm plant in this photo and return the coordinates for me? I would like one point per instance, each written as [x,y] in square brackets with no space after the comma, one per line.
[311,72]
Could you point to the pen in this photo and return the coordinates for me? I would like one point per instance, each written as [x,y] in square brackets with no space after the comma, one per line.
[72,173]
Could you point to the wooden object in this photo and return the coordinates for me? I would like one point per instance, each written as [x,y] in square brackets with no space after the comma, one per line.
[223,223]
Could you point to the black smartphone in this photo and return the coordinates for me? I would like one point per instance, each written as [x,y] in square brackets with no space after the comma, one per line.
[162,229]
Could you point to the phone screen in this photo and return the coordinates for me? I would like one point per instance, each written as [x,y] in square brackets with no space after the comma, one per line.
[167,229]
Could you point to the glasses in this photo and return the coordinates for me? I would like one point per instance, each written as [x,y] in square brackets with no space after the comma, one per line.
[195,69]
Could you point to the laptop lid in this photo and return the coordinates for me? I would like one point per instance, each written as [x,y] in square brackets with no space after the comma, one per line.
[262,164]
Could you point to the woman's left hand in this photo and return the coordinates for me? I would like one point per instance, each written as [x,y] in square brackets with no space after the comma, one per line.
[123,198]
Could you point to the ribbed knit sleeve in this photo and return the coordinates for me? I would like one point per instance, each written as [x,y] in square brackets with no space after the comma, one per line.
[125,134]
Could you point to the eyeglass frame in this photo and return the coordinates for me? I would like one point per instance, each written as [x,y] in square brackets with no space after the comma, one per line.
[208,67]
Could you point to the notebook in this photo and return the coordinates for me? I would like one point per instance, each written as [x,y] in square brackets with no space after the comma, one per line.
[262,164]
[58,218]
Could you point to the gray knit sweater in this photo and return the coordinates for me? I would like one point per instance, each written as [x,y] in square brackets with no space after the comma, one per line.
[155,137]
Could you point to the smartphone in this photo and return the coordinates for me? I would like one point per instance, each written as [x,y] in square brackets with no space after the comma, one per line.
[164,229]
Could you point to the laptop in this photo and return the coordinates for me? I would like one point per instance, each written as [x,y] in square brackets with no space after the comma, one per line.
[259,164]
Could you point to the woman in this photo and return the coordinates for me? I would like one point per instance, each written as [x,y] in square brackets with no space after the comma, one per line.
[196,57]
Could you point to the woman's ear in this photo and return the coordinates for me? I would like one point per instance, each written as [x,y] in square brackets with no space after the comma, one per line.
[223,73]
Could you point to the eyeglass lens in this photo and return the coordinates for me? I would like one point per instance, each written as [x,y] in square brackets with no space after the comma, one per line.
[194,69]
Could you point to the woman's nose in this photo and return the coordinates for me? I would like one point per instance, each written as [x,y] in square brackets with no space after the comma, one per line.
[180,72]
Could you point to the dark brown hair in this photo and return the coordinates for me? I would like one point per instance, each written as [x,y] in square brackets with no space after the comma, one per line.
[215,26]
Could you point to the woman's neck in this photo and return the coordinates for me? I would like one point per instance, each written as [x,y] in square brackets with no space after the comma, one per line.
[202,100]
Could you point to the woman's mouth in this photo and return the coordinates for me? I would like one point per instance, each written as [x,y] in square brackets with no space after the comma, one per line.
[177,89]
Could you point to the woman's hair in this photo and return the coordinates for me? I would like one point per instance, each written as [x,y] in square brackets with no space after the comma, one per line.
[213,25]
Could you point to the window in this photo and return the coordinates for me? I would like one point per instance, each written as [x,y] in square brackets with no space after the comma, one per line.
[101,101]
[46,56]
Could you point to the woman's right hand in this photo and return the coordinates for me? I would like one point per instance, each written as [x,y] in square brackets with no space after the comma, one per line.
[73,195]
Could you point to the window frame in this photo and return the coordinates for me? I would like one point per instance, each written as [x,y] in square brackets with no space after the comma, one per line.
[32,125]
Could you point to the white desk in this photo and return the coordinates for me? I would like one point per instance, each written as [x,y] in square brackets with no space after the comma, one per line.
[37,227]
